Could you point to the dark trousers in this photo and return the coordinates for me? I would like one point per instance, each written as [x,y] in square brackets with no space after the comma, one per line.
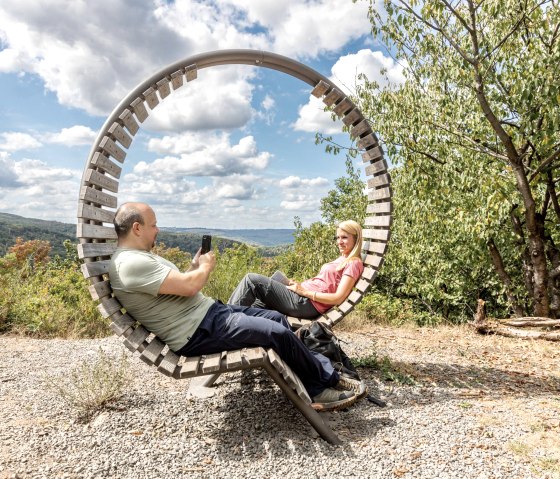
[228,327]
[262,292]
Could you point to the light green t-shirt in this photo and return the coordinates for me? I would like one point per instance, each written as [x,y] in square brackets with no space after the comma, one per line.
[136,277]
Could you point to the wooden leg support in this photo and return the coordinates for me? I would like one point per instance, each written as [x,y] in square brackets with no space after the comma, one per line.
[308,412]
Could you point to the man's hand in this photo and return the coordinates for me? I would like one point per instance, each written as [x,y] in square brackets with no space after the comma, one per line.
[208,260]
[195,260]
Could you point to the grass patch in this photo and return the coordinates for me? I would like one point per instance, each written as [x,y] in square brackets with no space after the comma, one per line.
[389,371]
[92,386]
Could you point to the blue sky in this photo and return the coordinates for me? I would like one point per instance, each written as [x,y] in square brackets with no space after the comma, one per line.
[232,149]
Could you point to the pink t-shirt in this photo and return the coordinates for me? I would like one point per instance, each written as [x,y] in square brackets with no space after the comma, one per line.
[328,279]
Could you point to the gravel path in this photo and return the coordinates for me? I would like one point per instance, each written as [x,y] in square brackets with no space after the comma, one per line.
[464,417]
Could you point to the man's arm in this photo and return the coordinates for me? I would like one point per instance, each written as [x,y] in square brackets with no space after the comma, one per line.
[190,282]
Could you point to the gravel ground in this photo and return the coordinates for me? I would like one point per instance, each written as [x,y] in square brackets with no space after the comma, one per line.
[462,407]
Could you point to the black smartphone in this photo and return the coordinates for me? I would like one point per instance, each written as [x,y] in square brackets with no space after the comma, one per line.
[206,244]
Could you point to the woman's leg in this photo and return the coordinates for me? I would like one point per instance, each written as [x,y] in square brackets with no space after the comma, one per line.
[260,291]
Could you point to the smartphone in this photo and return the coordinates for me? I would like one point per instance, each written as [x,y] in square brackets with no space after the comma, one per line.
[206,244]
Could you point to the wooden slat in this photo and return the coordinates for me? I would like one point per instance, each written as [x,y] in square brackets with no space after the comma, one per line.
[177,79]
[121,323]
[377,167]
[373,154]
[334,315]
[384,220]
[117,133]
[333,97]
[253,356]
[320,89]
[90,212]
[93,250]
[163,88]
[88,231]
[99,179]
[363,285]
[289,376]
[353,117]
[360,129]
[354,296]
[367,141]
[109,306]
[190,367]
[380,208]
[100,289]
[103,163]
[369,274]
[169,363]
[233,359]
[91,195]
[129,121]
[375,247]
[382,234]
[346,307]
[151,355]
[380,194]
[212,363]
[151,97]
[112,149]
[191,72]
[139,109]
[373,260]
[135,342]
[343,106]
[380,180]
[96,268]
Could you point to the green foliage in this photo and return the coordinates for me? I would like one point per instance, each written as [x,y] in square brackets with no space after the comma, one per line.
[92,387]
[389,371]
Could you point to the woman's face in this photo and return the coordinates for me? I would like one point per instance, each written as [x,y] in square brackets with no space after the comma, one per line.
[345,242]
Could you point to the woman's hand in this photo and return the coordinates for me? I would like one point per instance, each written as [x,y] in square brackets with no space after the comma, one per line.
[295,287]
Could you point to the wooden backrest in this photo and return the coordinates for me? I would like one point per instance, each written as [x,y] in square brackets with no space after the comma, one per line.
[98,193]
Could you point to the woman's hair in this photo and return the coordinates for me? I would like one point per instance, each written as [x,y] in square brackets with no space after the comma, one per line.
[353,228]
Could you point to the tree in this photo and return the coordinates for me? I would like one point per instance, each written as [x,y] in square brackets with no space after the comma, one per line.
[475,132]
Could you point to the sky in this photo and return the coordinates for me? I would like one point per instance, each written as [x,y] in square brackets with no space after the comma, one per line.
[234,148]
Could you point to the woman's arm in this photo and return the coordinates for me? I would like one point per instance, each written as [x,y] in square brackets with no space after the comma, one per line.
[344,287]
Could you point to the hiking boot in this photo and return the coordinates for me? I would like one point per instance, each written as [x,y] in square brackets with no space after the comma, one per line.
[349,384]
[331,400]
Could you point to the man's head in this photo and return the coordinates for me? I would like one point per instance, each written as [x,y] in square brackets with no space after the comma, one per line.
[136,226]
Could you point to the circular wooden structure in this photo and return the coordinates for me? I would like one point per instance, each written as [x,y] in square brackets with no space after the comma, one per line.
[100,182]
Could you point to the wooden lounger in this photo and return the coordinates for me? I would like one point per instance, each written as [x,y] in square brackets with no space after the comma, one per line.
[98,202]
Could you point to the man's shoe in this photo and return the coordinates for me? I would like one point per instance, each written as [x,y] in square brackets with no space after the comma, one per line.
[348,384]
[331,400]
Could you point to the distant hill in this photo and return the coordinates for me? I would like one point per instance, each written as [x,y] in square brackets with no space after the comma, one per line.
[270,241]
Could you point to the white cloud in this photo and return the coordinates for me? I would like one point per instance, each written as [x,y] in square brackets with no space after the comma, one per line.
[373,64]
[297,182]
[73,136]
[14,141]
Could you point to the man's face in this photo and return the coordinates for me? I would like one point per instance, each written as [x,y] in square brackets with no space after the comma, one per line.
[149,230]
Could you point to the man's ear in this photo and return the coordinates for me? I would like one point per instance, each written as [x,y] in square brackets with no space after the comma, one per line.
[136,228]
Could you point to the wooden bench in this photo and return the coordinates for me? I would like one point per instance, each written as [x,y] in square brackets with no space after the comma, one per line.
[98,202]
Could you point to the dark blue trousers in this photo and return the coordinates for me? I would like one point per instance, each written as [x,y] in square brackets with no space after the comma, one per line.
[228,327]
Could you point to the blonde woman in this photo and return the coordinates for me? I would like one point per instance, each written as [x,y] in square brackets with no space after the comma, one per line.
[313,296]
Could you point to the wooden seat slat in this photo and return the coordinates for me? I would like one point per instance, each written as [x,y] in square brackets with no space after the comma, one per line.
[168,364]
[94,250]
[367,141]
[152,352]
[352,117]
[100,289]
[135,342]
[333,97]
[372,154]
[363,285]
[320,89]
[129,121]
[381,180]
[380,194]
[102,162]
[354,297]
[373,260]
[139,109]
[94,213]
[163,88]
[233,359]
[360,129]
[96,268]
[121,323]
[112,149]
[381,220]
[190,367]
[377,247]
[151,97]
[177,79]
[212,363]
[91,195]
[99,179]
[377,208]
[85,230]
[380,234]
[333,315]
[109,306]
[377,167]
[253,356]
[346,307]
[343,106]
[191,72]
[118,133]
[287,373]
[370,274]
